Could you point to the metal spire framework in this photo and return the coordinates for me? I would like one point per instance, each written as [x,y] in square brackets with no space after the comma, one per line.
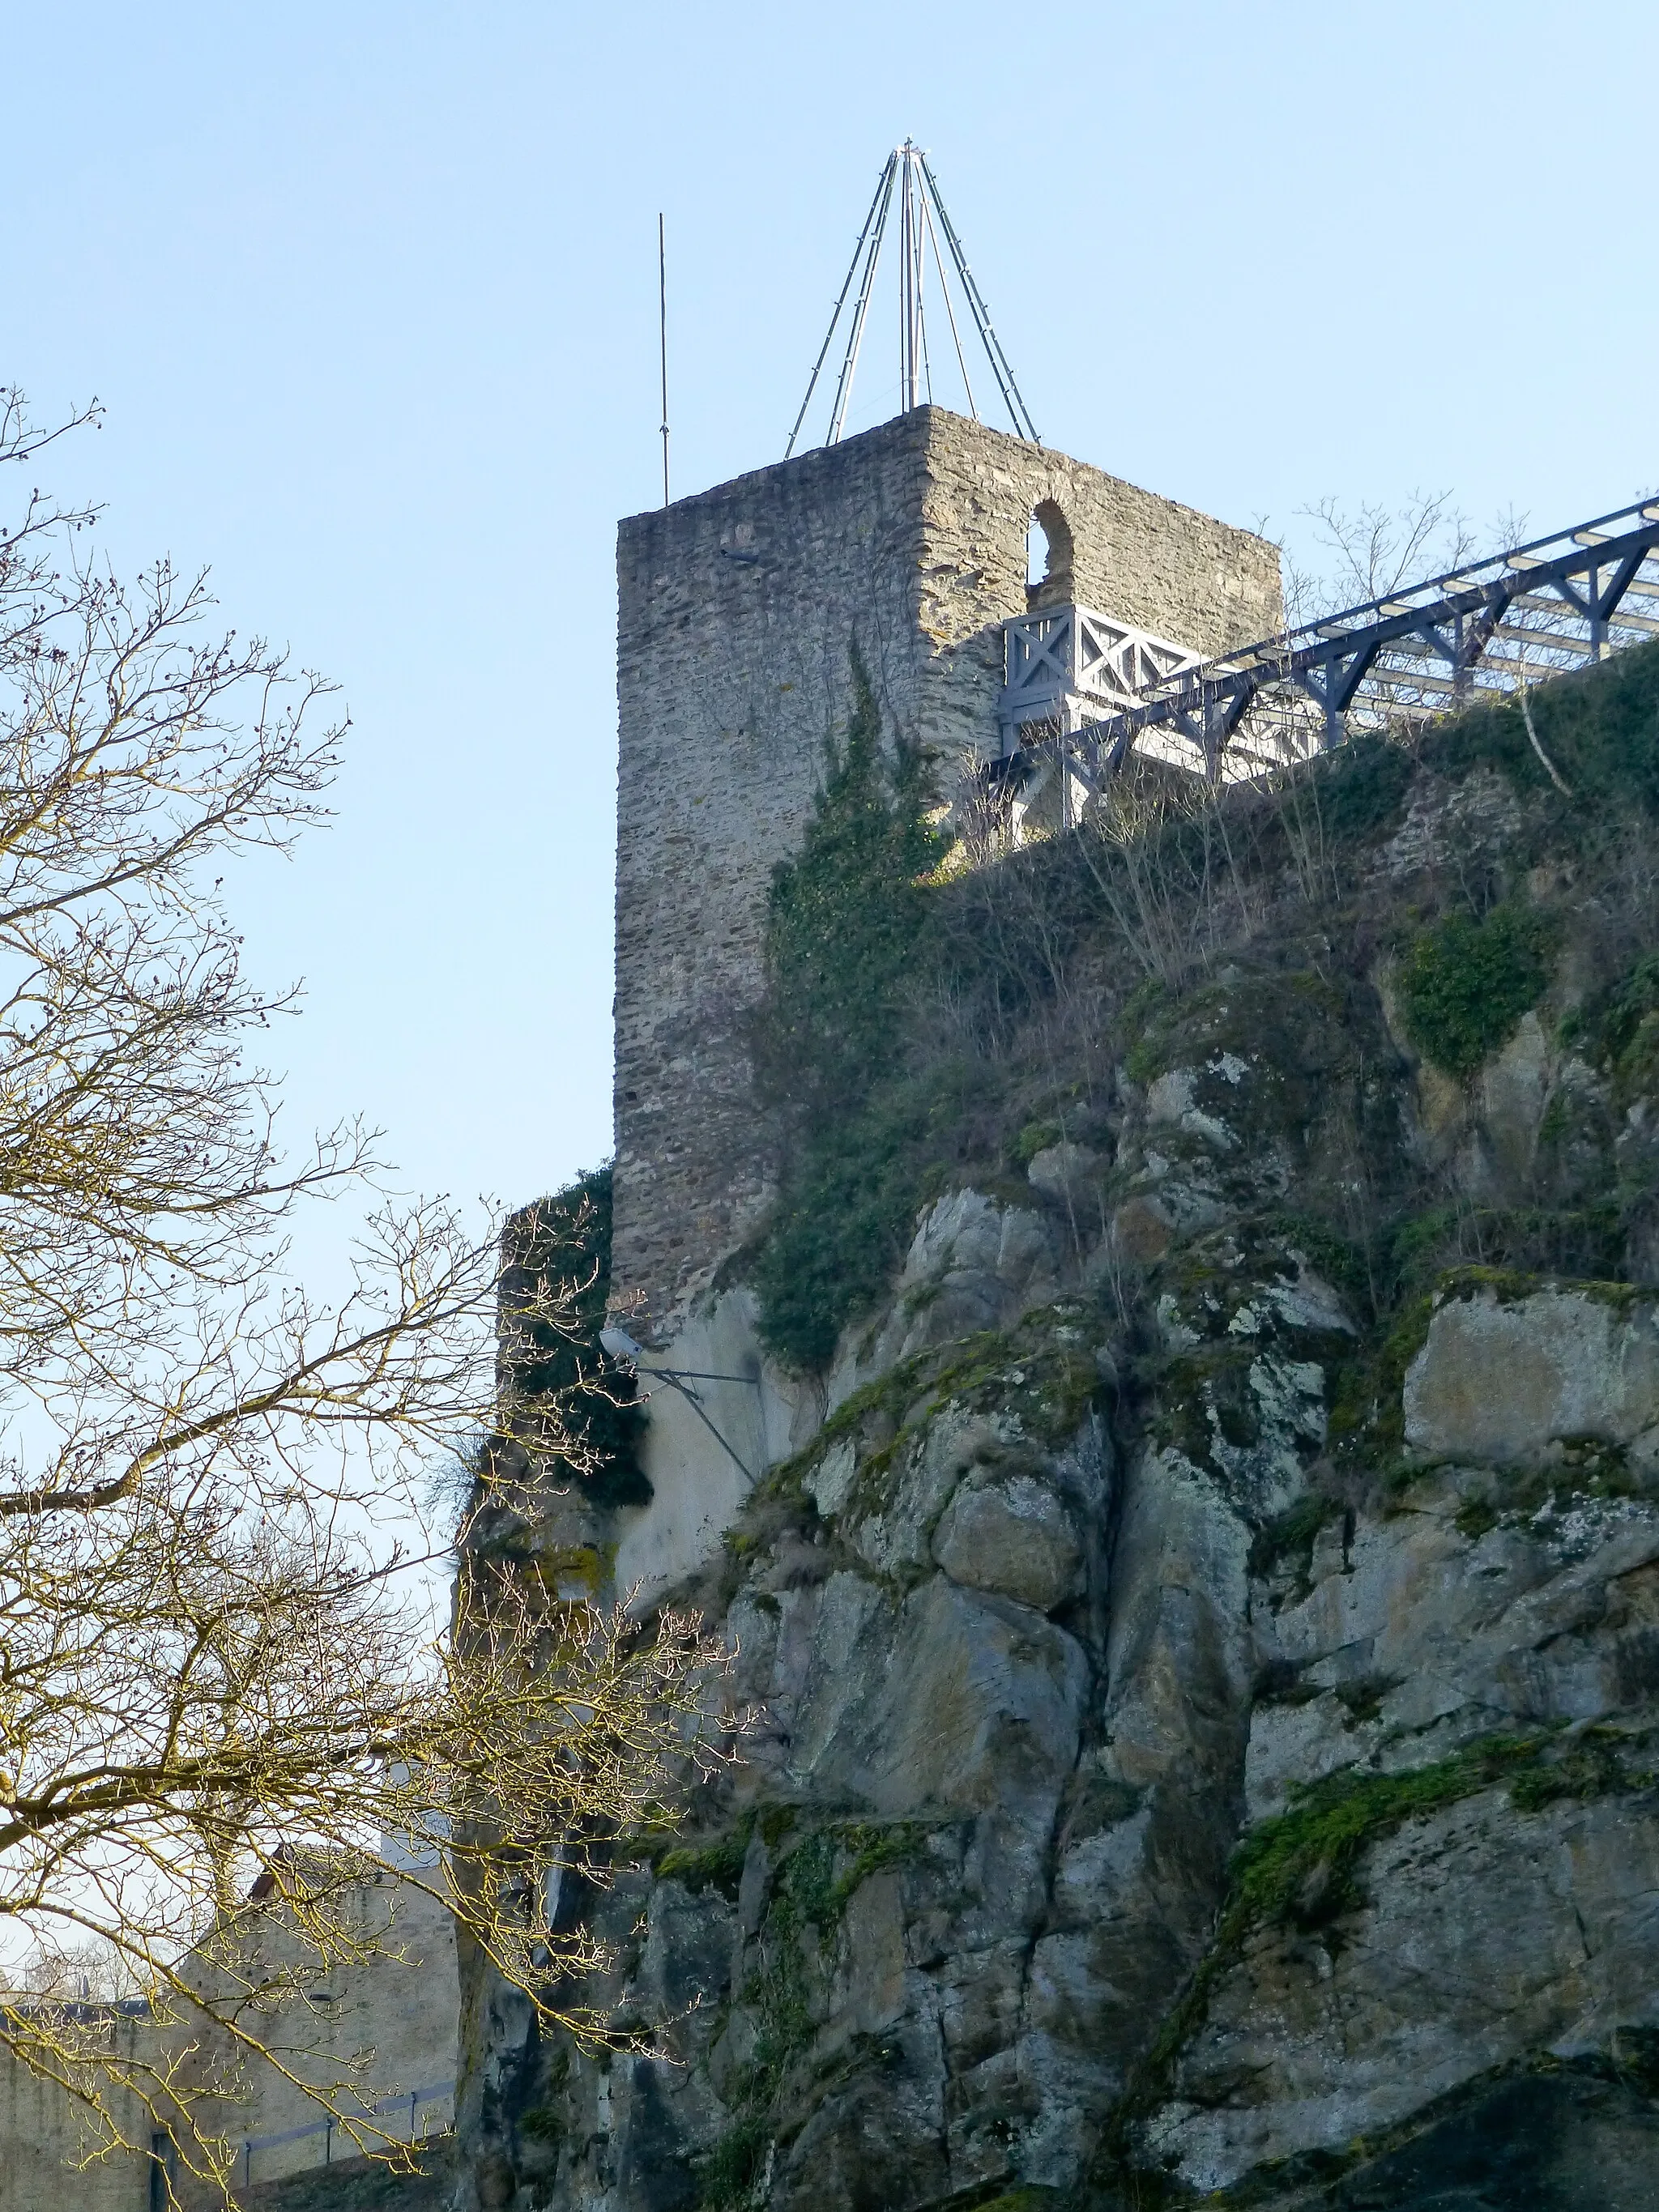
[922,223]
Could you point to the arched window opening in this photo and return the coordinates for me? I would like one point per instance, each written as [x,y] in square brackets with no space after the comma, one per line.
[1036,553]
[1047,557]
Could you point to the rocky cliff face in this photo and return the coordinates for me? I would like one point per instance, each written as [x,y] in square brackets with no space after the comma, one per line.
[1203,1673]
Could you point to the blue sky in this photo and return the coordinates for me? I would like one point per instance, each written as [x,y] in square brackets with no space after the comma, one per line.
[369,292]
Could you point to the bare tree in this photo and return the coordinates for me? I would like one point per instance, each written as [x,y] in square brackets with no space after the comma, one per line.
[210,1664]
[1371,551]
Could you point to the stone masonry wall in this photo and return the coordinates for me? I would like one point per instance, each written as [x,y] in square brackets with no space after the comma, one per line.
[401,2006]
[736,611]
[43,2140]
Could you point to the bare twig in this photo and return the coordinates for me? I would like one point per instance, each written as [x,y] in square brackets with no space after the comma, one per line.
[205,1667]
[1550,768]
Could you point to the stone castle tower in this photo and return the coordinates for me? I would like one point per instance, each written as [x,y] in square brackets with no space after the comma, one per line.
[737,610]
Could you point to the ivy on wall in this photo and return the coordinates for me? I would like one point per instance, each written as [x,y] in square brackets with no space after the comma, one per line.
[843,921]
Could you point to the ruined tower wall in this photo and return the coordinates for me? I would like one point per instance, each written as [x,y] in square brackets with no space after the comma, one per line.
[1148,561]
[735,612]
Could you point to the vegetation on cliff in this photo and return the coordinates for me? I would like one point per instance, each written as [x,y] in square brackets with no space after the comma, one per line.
[1465,984]
[1302,1869]
[1135,1695]
[926,1028]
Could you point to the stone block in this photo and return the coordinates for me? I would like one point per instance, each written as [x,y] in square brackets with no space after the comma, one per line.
[1499,1379]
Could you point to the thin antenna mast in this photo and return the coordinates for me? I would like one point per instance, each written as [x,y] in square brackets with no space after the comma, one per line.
[910,289]
[662,329]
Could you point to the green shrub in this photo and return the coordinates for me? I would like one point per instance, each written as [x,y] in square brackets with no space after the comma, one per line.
[1036,1137]
[864,939]
[1592,1768]
[1464,986]
[1619,1031]
[1361,789]
[1291,1536]
[1300,1868]
[1582,1240]
[1598,725]
[729,2172]
[1301,1865]
[841,1221]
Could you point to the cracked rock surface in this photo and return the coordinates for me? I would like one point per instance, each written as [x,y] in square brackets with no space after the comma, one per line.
[1201,1678]
[1025,1658]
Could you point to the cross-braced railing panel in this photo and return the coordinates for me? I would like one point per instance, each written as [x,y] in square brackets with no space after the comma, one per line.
[1069,664]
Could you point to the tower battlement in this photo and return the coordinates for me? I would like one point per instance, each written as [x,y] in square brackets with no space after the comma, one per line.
[737,612]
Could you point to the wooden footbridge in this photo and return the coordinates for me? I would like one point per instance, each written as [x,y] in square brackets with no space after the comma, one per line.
[1485,630]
